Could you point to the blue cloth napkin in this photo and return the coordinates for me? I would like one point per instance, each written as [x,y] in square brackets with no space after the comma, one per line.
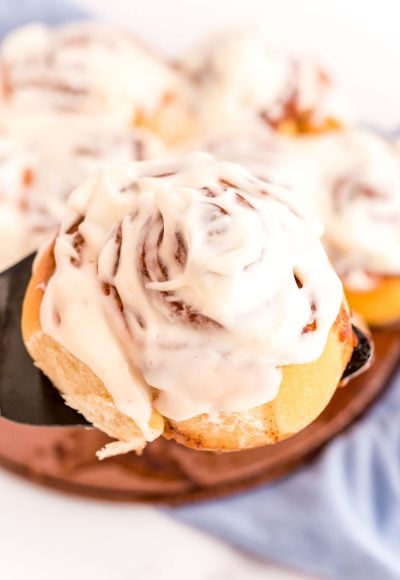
[340,516]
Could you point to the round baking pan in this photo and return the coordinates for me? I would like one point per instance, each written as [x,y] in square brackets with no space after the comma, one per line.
[64,457]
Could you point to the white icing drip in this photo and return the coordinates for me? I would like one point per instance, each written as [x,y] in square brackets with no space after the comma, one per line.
[85,67]
[239,75]
[211,307]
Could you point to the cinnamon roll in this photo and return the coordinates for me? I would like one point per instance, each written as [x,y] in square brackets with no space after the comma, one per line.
[361,213]
[189,299]
[350,181]
[18,234]
[240,78]
[87,68]
[37,174]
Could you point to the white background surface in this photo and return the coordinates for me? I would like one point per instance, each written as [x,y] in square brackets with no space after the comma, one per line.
[359,40]
[47,536]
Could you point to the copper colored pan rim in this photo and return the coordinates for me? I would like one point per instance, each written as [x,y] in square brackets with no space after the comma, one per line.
[218,475]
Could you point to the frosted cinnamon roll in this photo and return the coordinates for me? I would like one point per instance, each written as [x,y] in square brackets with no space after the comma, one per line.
[240,78]
[360,183]
[87,68]
[37,174]
[350,181]
[18,235]
[190,299]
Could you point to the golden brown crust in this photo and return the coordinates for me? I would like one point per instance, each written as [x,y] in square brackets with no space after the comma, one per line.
[80,387]
[305,390]
[379,306]
[303,394]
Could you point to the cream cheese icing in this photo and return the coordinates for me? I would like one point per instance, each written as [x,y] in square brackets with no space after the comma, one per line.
[17,237]
[89,68]
[288,162]
[240,77]
[361,213]
[350,180]
[186,284]
[37,173]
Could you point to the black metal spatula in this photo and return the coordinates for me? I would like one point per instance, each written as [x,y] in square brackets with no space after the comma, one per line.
[26,395]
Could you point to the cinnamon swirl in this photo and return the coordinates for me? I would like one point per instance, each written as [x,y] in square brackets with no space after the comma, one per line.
[190,299]
[350,181]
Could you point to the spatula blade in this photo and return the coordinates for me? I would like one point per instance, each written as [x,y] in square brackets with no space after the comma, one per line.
[26,395]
